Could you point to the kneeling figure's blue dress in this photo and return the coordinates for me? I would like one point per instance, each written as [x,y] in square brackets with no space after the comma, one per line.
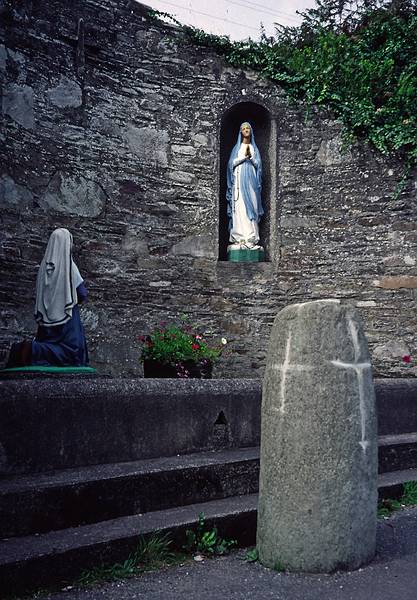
[62,345]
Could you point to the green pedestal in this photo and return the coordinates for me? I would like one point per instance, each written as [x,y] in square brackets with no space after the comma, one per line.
[47,369]
[38,371]
[245,255]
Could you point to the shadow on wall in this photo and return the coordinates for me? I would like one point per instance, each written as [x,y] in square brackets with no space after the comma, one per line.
[260,120]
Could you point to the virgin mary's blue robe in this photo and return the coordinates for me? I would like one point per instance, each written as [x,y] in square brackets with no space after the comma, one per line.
[62,345]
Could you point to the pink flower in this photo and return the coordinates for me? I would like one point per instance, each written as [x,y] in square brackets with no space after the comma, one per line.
[407,358]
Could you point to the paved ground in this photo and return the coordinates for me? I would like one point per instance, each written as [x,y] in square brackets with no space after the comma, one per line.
[391,576]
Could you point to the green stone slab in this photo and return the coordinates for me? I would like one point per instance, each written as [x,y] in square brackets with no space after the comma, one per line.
[246,255]
[41,369]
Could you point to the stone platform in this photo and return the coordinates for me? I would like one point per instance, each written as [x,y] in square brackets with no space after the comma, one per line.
[90,466]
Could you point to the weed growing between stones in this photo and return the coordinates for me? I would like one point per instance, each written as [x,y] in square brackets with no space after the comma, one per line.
[252,555]
[409,498]
[279,567]
[151,553]
[207,542]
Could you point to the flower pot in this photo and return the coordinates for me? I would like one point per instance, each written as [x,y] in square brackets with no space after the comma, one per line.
[183,369]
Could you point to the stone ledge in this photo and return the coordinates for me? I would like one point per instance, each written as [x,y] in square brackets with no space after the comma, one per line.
[63,423]
[68,422]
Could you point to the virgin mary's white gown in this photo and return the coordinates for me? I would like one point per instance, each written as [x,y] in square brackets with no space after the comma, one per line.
[244,232]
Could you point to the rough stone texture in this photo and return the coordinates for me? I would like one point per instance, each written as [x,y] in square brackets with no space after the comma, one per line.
[73,195]
[121,136]
[68,93]
[14,195]
[395,283]
[18,104]
[318,471]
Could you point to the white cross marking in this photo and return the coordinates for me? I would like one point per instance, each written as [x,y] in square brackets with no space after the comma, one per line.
[359,369]
[284,368]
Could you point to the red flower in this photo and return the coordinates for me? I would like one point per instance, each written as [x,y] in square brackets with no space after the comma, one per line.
[149,344]
[141,338]
[406,358]
[195,346]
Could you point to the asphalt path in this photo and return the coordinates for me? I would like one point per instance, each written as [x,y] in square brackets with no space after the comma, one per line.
[392,575]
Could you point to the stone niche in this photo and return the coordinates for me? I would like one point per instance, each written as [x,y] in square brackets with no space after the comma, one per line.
[260,119]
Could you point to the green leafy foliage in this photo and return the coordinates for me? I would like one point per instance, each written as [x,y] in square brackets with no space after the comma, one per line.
[387,506]
[357,58]
[252,555]
[206,542]
[408,498]
[176,343]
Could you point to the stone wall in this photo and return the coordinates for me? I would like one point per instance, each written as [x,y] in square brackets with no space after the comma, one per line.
[116,127]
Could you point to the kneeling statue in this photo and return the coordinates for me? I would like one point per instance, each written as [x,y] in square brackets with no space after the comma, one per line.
[60,340]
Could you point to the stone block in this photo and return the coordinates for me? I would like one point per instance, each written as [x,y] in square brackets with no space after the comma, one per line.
[330,153]
[395,283]
[67,94]
[318,478]
[198,246]
[18,104]
[393,349]
[151,145]
[13,195]
[73,194]
[3,57]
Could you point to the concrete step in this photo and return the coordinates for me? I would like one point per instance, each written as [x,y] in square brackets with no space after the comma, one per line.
[41,560]
[72,497]
[397,452]
[28,562]
[390,485]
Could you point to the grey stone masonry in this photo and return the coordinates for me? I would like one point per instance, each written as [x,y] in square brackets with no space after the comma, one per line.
[318,473]
[118,127]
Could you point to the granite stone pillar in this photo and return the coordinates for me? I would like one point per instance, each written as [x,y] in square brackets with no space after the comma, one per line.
[318,478]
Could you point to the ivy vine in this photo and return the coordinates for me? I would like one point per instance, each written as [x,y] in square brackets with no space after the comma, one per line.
[355,57]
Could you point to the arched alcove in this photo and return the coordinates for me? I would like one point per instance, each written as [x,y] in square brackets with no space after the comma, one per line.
[260,119]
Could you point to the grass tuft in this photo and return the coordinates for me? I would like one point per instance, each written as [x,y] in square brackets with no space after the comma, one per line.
[151,553]
[409,498]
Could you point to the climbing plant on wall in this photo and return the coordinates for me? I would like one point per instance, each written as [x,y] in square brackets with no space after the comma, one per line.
[355,57]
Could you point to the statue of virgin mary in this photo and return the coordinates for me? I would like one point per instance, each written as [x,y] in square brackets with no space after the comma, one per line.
[244,186]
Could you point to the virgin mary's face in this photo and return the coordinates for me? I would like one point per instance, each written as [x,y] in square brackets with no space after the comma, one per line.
[246,131]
